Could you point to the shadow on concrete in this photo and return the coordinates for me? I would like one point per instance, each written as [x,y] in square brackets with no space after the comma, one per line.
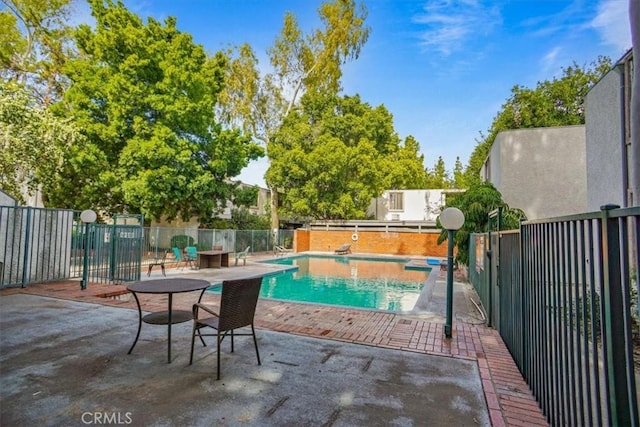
[66,363]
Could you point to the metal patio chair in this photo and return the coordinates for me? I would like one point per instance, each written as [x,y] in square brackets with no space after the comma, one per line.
[191,256]
[238,302]
[160,262]
[181,258]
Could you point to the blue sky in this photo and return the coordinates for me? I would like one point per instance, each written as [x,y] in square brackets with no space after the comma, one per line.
[443,68]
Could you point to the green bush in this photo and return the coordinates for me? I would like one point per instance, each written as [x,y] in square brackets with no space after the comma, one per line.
[181,241]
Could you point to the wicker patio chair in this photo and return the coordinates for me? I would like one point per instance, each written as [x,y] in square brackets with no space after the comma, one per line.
[238,302]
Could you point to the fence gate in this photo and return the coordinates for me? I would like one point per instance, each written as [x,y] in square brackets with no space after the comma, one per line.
[115,250]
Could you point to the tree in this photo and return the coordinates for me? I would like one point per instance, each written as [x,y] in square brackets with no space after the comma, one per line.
[34,45]
[334,154]
[458,175]
[32,142]
[438,177]
[300,63]
[144,96]
[407,166]
[476,203]
[559,102]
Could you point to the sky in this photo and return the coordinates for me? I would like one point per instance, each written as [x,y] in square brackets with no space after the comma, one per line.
[442,68]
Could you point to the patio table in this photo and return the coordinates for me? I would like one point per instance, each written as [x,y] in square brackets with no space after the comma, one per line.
[171,316]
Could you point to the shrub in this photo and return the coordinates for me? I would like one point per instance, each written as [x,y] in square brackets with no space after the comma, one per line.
[181,241]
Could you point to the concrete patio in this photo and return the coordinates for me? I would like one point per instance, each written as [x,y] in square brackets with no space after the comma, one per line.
[64,361]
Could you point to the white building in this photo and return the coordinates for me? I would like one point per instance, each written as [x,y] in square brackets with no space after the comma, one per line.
[409,205]
[540,170]
[566,170]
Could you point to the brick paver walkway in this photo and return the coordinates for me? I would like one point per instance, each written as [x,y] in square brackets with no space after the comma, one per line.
[508,397]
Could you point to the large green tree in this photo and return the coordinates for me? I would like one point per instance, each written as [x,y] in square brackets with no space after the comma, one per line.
[438,177]
[476,203]
[300,62]
[33,142]
[559,102]
[35,42]
[334,154]
[144,96]
[406,169]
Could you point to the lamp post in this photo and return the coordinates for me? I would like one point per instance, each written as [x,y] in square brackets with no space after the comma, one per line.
[87,217]
[451,219]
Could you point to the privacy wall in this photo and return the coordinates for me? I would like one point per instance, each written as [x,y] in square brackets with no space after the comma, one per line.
[373,242]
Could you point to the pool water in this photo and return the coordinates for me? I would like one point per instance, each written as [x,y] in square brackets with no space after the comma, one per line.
[352,282]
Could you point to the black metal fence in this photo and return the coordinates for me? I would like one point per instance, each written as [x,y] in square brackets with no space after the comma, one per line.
[114,251]
[44,245]
[38,245]
[567,309]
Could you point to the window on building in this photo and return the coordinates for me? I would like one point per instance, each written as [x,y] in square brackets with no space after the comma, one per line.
[395,201]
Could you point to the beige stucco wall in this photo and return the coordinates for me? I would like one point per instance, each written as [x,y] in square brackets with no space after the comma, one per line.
[541,171]
[6,200]
[606,173]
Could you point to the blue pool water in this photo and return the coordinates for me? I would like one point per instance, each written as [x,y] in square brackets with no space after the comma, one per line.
[352,282]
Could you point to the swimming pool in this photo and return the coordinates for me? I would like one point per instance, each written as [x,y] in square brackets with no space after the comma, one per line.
[352,282]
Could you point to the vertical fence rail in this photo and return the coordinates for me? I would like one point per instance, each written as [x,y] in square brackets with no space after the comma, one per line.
[35,245]
[157,240]
[570,286]
[511,296]
[477,267]
[43,245]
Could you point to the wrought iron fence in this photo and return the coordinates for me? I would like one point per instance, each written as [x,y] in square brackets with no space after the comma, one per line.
[43,245]
[38,245]
[114,251]
[568,308]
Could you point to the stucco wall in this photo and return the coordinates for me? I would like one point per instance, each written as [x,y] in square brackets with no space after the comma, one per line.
[6,200]
[603,143]
[541,171]
[373,242]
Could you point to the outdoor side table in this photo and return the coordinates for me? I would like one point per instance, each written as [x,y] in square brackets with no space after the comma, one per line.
[213,259]
[171,316]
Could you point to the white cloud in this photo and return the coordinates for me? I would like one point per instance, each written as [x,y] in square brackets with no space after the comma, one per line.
[450,24]
[612,23]
[550,60]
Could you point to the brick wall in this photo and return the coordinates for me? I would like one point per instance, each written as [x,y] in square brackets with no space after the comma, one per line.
[375,242]
[301,240]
